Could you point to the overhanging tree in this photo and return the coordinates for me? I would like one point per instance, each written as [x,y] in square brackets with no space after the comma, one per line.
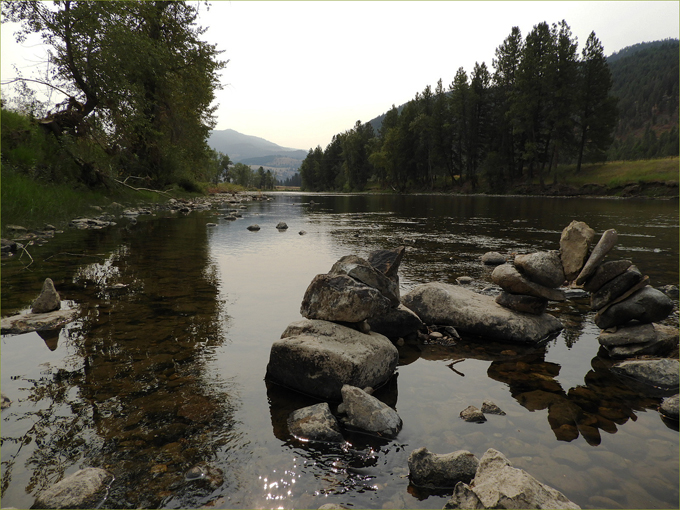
[135,72]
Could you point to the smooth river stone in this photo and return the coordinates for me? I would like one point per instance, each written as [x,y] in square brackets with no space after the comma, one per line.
[645,305]
[510,280]
[604,246]
[575,243]
[543,267]
[606,272]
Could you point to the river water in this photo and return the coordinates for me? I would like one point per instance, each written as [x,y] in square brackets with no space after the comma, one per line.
[166,373]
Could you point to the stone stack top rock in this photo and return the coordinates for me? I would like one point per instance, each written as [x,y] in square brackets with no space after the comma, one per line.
[575,243]
[48,300]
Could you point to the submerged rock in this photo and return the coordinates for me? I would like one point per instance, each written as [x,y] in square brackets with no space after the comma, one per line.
[315,423]
[367,413]
[441,471]
[476,314]
[82,489]
[575,243]
[499,485]
[340,298]
[319,357]
[48,300]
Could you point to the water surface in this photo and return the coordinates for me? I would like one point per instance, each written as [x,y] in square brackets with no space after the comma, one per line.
[162,381]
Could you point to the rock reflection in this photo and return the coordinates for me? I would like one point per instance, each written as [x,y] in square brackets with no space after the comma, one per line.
[136,399]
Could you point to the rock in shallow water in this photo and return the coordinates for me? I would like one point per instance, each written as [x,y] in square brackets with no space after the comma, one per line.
[441,471]
[48,300]
[510,280]
[498,485]
[79,490]
[660,373]
[476,314]
[319,357]
[315,423]
[367,413]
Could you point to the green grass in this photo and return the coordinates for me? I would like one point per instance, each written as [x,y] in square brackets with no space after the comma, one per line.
[620,173]
[31,203]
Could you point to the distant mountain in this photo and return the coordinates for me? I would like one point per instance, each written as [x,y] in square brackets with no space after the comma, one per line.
[256,152]
[239,146]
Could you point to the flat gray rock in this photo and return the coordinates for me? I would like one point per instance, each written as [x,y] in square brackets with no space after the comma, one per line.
[319,357]
[477,314]
[660,373]
[615,288]
[25,323]
[639,339]
[604,273]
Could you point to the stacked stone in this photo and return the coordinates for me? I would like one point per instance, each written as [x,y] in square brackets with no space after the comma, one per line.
[620,294]
[335,345]
[531,282]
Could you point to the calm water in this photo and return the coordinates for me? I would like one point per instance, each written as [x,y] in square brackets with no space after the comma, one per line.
[168,373]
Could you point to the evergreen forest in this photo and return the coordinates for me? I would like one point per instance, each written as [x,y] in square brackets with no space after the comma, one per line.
[543,103]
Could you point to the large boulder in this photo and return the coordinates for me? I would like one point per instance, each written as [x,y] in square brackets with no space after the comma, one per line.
[341,298]
[605,273]
[477,314]
[397,322]
[363,272]
[543,267]
[82,489]
[367,413]
[645,305]
[499,485]
[315,423]
[507,277]
[639,339]
[575,243]
[441,471]
[319,357]
[603,246]
[661,373]
[48,300]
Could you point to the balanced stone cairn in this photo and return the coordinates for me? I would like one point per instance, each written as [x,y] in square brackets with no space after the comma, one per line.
[531,282]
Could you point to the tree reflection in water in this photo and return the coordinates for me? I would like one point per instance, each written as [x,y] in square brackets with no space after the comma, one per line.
[134,398]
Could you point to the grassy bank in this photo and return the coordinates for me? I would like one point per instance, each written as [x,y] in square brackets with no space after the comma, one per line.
[619,173]
[31,203]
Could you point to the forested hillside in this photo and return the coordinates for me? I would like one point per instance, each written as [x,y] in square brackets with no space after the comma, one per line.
[645,80]
[544,102]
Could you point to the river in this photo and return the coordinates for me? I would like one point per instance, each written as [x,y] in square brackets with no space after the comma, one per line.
[166,371]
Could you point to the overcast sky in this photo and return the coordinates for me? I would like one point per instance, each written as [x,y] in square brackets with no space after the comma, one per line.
[301,72]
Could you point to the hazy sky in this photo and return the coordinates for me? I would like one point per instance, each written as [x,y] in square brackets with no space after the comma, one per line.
[301,72]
